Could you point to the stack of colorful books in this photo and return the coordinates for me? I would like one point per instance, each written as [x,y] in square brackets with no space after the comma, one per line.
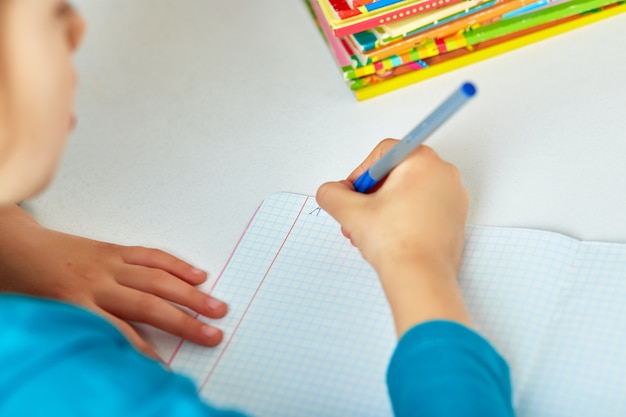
[382,45]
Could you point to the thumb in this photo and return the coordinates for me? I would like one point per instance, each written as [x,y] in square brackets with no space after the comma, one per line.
[133,337]
[339,199]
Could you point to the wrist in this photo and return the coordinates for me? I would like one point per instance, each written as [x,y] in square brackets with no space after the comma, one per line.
[422,289]
[417,263]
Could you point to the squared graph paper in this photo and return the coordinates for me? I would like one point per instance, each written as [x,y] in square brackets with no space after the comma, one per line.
[309,331]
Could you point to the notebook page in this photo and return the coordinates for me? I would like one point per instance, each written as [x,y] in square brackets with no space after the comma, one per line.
[555,308]
[309,331]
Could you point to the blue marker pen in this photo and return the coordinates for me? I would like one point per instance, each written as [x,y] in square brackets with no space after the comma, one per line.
[415,138]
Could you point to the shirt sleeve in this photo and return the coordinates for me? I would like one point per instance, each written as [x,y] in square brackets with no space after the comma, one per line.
[442,368]
[58,359]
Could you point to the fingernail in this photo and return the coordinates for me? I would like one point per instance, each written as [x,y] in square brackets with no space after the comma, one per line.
[197,271]
[209,331]
[215,304]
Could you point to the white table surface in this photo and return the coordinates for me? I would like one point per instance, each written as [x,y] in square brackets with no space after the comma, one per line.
[192,111]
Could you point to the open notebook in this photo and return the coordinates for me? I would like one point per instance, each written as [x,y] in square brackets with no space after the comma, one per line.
[309,332]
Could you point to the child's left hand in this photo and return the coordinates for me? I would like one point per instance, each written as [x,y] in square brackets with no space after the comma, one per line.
[120,283]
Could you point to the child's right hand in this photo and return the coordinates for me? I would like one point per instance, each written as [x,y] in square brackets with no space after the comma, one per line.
[411,230]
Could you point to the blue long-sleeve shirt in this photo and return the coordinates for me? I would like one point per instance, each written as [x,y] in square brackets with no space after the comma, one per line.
[58,359]
[442,368]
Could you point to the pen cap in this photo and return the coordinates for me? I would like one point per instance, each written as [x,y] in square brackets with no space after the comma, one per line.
[468,89]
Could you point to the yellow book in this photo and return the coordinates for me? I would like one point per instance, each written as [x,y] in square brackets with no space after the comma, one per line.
[481,54]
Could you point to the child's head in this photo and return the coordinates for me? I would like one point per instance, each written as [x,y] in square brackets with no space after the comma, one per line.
[37,83]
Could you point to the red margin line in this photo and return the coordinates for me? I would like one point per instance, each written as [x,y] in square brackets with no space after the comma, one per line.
[252,299]
[180,343]
[210,373]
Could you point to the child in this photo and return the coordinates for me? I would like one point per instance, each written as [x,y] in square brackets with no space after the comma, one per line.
[61,359]
[120,283]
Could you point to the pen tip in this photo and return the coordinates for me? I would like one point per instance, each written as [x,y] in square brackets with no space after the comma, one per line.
[469,89]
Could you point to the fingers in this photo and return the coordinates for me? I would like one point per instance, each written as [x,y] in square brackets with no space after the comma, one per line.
[147,285]
[134,305]
[155,258]
[132,336]
[338,199]
[164,285]
[377,153]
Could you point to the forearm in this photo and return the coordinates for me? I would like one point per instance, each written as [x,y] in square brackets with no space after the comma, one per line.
[10,213]
[420,290]
[16,237]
